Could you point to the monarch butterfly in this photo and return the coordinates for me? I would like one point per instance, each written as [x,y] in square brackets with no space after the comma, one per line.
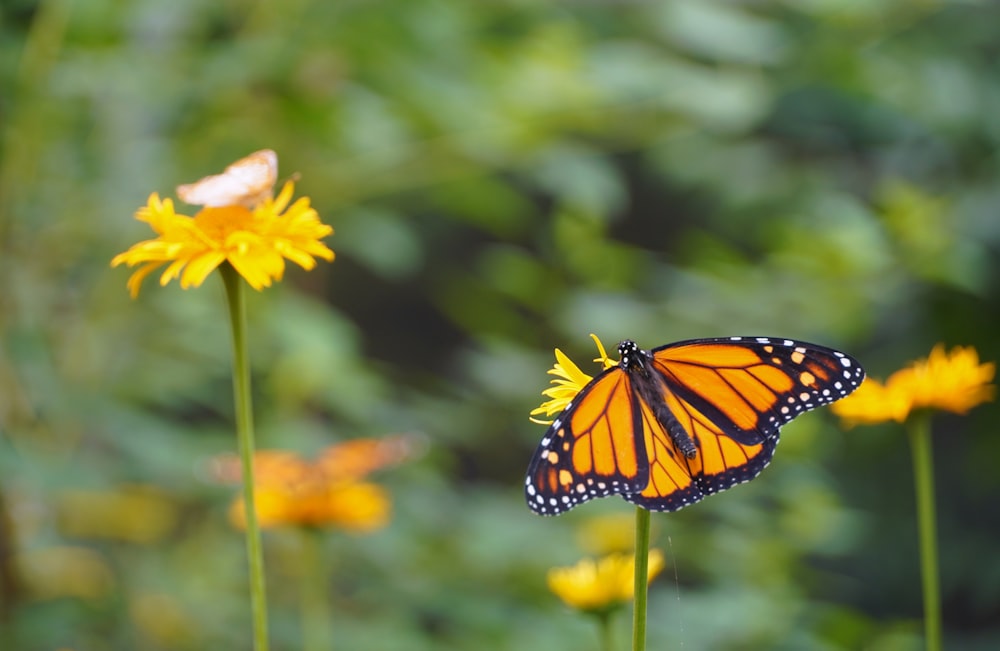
[666,427]
[246,182]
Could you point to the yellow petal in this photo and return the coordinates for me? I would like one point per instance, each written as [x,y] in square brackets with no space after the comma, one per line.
[873,402]
[954,381]
[135,280]
[569,381]
[172,271]
[200,266]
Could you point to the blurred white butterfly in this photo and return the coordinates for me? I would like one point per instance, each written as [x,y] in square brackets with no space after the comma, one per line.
[247,182]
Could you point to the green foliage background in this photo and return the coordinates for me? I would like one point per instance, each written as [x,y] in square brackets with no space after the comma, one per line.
[503,178]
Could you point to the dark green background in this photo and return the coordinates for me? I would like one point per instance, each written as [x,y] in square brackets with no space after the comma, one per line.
[503,178]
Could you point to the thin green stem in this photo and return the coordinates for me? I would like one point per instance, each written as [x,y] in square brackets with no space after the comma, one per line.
[604,623]
[235,296]
[641,578]
[923,473]
[313,576]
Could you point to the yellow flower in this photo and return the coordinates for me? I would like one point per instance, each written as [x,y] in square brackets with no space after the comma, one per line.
[569,381]
[600,585]
[954,382]
[255,239]
[289,490]
[873,402]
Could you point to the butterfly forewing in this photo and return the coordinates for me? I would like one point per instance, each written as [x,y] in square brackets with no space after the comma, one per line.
[751,386]
[593,449]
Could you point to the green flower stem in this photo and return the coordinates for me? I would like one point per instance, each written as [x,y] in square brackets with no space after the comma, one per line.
[923,474]
[313,603]
[236,298]
[641,578]
[604,623]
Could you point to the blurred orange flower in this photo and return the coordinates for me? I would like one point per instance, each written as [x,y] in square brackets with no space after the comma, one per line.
[954,382]
[289,490]
[315,502]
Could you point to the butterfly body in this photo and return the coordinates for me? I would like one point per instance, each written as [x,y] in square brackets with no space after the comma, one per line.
[650,387]
[666,427]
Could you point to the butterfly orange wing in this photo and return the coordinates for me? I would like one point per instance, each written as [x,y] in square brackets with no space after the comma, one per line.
[731,396]
[594,448]
[751,386]
[676,481]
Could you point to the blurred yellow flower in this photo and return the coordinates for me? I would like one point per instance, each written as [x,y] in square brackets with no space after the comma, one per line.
[289,490]
[954,382]
[873,402]
[243,226]
[600,585]
[569,381]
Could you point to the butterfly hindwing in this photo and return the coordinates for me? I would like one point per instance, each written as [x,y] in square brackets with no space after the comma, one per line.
[594,448]
[676,481]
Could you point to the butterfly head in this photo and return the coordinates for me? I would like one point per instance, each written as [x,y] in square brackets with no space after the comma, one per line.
[631,357]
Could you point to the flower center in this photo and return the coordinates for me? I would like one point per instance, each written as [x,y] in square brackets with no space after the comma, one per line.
[220,223]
